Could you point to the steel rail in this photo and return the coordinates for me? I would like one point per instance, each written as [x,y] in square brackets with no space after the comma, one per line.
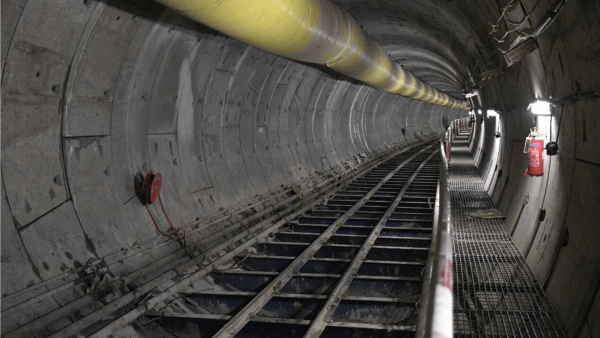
[15,302]
[248,312]
[45,320]
[196,272]
[18,300]
[319,323]
[436,316]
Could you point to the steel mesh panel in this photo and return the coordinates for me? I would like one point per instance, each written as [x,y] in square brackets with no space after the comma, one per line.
[507,324]
[495,292]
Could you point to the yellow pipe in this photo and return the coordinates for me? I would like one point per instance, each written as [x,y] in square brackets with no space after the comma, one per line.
[316,31]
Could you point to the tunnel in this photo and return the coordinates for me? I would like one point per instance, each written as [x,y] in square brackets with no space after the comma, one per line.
[253,145]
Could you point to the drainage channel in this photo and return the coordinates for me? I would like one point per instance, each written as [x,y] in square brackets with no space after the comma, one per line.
[349,267]
[496,294]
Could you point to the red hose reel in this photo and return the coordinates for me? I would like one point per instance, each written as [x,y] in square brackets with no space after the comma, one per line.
[150,192]
[151,187]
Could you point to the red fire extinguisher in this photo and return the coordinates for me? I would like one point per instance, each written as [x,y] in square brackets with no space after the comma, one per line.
[536,158]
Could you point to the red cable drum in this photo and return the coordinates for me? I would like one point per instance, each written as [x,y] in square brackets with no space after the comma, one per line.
[155,187]
[150,193]
[151,187]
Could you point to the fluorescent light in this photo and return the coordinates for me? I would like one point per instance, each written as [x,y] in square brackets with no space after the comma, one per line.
[540,108]
[492,113]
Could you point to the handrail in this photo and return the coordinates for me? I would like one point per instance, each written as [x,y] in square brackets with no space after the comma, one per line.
[436,313]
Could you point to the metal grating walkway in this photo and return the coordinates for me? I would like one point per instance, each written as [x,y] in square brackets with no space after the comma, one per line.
[351,267]
[495,292]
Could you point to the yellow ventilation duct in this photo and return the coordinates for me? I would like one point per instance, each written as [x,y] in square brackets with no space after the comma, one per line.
[316,31]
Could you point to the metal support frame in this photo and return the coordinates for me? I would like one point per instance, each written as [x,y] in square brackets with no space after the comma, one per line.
[256,233]
[318,324]
[382,293]
[201,264]
[243,316]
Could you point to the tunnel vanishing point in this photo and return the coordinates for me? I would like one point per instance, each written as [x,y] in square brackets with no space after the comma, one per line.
[300,145]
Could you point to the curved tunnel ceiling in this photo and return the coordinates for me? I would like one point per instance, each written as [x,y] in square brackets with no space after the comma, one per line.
[96,93]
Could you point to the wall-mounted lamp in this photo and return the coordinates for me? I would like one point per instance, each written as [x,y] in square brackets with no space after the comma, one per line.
[540,108]
[494,113]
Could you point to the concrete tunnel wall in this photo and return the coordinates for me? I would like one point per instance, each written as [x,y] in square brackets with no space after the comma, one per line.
[93,101]
[94,94]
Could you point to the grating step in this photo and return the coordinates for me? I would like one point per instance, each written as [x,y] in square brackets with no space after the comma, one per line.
[333,265]
[424,232]
[405,288]
[193,326]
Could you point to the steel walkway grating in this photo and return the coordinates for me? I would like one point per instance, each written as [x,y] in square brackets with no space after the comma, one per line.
[495,292]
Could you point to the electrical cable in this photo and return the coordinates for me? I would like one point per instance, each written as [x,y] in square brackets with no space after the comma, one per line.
[145,192]
[504,11]
[559,122]
[576,97]
[167,217]
[570,99]
[156,224]
[541,27]
[501,40]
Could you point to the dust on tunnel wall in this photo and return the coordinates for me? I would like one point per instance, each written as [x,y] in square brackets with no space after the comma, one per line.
[94,100]
[561,247]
